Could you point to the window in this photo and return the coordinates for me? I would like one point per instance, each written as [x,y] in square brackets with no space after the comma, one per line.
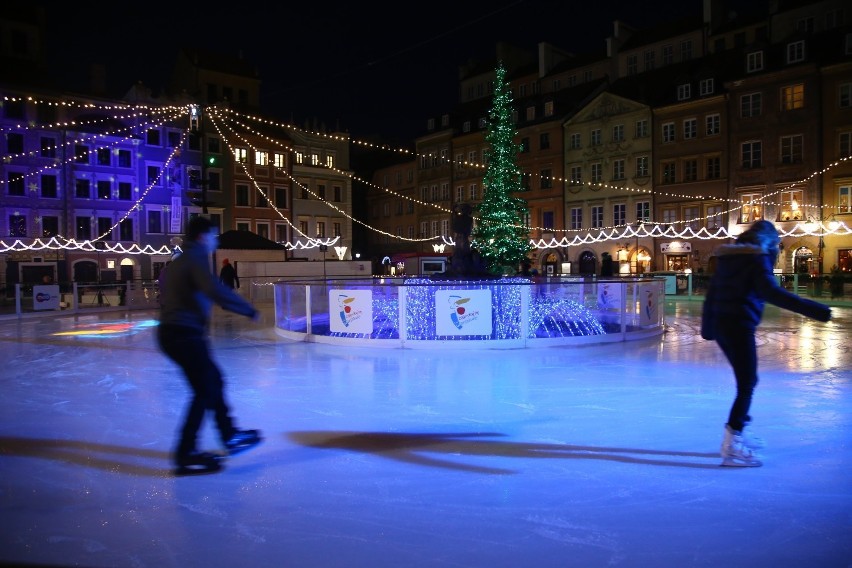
[152,137]
[261,158]
[618,133]
[597,172]
[574,143]
[791,202]
[547,219]
[49,186]
[261,199]
[153,174]
[460,193]
[105,227]
[48,147]
[17,225]
[125,230]
[530,113]
[751,207]
[280,196]
[642,166]
[632,64]
[548,108]
[618,169]
[241,155]
[844,95]
[124,159]
[81,154]
[595,137]
[83,228]
[82,188]
[714,168]
[684,92]
[690,215]
[544,140]
[155,221]
[643,211]
[714,216]
[597,216]
[845,144]
[241,195]
[844,199]
[754,61]
[792,97]
[705,87]
[751,153]
[473,192]
[669,216]
[321,191]
[642,128]
[49,226]
[649,60]
[668,132]
[576,175]
[690,128]
[669,171]
[712,124]
[576,218]
[805,25]
[791,149]
[546,179]
[104,189]
[321,228]
[795,51]
[690,170]
[668,54]
[686,50]
[619,214]
[750,105]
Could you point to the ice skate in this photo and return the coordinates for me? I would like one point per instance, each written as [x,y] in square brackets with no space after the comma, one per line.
[242,440]
[198,463]
[735,453]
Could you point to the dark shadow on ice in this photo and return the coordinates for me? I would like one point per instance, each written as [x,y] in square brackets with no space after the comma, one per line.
[416,448]
[100,456]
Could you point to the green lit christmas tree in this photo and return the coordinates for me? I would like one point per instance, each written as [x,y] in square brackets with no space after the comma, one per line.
[500,235]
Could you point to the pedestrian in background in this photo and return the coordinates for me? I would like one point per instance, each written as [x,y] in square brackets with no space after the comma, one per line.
[741,284]
[185,304]
[228,275]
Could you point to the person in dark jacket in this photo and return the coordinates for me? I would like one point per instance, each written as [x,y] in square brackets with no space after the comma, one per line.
[228,275]
[741,284]
[189,292]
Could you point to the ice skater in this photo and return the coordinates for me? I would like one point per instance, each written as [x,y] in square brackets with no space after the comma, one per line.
[186,300]
[741,283]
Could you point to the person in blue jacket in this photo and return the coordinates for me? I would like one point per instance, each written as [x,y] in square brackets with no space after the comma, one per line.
[189,290]
[743,281]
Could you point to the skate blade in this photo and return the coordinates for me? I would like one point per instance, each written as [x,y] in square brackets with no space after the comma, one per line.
[205,467]
[740,462]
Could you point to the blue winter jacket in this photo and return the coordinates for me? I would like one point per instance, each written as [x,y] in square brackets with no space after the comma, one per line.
[742,283]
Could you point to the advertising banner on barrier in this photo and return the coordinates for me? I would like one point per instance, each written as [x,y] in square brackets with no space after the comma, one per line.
[46,297]
[350,311]
[463,312]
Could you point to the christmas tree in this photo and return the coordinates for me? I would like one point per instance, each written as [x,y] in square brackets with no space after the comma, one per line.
[500,235]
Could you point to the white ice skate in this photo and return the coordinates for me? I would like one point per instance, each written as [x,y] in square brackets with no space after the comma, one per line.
[734,451]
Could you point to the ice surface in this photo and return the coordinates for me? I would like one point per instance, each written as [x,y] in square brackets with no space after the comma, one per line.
[552,457]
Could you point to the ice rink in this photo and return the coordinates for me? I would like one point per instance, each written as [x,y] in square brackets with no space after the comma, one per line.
[591,456]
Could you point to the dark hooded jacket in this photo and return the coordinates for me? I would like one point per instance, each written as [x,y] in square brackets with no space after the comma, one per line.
[740,286]
[190,290]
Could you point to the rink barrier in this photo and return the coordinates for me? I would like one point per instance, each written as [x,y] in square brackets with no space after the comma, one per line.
[507,313]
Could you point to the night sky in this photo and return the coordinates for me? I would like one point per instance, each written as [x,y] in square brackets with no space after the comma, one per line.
[368,68]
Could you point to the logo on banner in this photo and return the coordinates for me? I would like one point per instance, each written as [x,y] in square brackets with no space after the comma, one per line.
[463,312]
[351,311]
